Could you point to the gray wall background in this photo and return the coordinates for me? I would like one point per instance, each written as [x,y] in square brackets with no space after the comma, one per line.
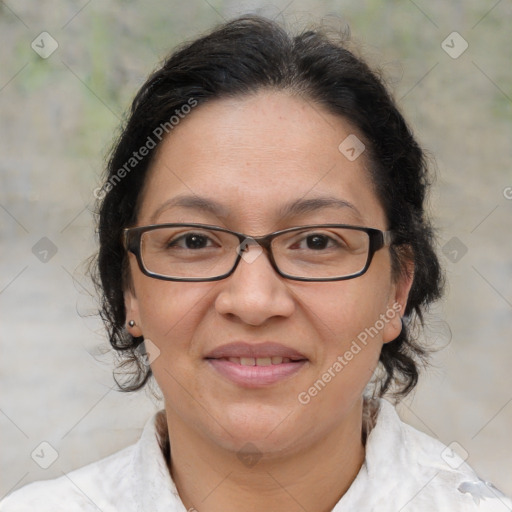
[58,118]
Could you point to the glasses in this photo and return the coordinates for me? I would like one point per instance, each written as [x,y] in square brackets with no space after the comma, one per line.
[199,252]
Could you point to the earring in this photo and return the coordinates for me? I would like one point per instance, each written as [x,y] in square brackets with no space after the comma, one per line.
[131,323]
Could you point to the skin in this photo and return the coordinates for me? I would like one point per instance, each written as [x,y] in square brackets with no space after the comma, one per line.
[253,155]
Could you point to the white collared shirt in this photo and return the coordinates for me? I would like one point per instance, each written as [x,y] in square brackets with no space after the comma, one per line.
[404,471]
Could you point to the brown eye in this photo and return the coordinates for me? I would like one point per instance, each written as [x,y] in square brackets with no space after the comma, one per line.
[195,241]
[317,242]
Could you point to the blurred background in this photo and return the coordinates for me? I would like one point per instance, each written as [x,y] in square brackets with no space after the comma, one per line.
[68,70]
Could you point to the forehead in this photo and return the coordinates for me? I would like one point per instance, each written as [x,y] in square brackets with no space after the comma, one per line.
[256,156]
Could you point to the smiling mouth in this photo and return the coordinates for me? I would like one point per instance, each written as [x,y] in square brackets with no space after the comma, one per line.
[261,361]
[256,365]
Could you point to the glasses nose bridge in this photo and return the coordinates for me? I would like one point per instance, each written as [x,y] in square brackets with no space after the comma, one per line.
[264,241]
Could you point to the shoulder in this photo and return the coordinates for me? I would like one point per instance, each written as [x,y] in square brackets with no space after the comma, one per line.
[133,479]
[124,481]
[432,475]
[85,489]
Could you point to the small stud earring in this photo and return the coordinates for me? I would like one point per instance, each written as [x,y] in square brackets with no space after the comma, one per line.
[131,323]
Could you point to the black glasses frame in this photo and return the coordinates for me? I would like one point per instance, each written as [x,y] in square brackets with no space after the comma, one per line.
[132,243]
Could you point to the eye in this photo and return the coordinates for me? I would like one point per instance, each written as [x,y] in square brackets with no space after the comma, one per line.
[191,241]
[317,242]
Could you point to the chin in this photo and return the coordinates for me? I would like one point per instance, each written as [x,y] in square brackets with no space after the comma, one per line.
[267,427]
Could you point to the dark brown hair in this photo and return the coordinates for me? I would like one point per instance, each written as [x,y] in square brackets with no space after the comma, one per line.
[238,58]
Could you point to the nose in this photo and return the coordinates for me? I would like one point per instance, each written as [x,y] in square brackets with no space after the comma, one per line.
[254,293]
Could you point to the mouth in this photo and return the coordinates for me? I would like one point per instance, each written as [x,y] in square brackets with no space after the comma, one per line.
[256,365]
[261,361]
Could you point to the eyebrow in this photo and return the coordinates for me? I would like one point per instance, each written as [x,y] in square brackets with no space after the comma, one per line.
[303,206]
[192,202]
[294,208]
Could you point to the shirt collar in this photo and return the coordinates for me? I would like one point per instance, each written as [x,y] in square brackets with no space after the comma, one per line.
[153,487]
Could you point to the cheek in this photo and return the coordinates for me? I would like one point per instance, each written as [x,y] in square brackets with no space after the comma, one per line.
[342,310]
[171,314]
[347,320]
[170,311]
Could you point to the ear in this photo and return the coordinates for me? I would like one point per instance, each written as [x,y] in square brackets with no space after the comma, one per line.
[399,293]
[131,305]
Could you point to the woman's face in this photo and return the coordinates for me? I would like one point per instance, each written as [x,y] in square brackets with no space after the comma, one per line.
[251,158]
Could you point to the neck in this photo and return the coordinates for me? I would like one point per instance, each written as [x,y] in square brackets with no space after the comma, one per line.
[210,478]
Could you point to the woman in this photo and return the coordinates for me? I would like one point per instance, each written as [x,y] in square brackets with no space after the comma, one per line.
[264,251]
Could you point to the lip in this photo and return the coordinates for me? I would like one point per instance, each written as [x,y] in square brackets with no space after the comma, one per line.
[255,376]
[255,350]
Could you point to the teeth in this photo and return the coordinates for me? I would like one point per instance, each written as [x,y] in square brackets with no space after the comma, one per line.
[260,361]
